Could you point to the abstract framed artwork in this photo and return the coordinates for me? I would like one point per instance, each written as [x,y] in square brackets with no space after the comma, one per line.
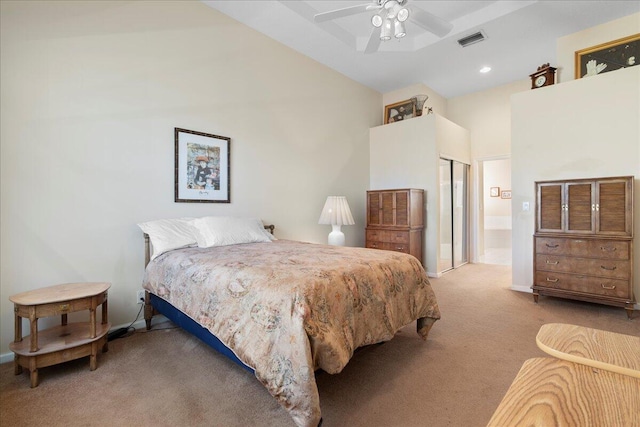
[202,167]
[494,191]
[505,194]
[610,56]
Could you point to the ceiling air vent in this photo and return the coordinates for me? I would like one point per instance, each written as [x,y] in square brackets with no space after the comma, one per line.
[473,38]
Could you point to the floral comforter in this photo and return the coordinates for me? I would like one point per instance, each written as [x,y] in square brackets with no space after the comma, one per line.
[287,308]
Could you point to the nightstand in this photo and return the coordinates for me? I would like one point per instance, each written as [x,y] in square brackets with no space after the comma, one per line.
[65,342]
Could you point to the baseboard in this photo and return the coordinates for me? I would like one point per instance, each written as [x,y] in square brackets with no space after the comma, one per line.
[140,324]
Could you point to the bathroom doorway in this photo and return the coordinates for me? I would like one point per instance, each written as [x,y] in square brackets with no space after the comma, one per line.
[495,211]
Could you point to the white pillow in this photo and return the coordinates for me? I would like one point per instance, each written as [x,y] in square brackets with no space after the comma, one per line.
[223,231]
[169,234]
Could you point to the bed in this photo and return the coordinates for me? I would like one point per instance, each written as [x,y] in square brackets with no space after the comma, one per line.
[283,309]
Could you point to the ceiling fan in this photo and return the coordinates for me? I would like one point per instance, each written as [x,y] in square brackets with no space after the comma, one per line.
[389,20]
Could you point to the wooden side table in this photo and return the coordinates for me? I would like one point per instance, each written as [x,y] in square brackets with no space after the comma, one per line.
[65,342]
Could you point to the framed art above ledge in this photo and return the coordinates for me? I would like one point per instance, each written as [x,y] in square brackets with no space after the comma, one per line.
[399,111]
[610,56]
[202,167]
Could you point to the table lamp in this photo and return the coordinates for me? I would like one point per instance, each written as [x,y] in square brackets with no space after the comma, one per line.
[336,213]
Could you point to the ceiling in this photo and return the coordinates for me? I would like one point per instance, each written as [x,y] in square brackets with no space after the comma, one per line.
[520,36]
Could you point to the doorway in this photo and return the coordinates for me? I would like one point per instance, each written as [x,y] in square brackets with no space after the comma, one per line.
[454,214]
[496,212]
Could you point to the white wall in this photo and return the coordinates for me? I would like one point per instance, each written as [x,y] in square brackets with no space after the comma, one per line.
[579,129]
[91,93]
[487,115]
[406,155]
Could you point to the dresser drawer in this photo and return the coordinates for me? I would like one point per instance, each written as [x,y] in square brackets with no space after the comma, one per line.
[389,236]
[585,284]
[583,248]
[396,247]
[612,268]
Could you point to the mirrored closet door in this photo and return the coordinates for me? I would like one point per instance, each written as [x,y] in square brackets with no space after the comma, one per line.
[454,214]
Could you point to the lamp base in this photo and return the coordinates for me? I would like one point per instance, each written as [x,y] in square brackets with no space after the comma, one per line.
[336,237]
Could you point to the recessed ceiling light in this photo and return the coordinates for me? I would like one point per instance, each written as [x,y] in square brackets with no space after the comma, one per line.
[485,69]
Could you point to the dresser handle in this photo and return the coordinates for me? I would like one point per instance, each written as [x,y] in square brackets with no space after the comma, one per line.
[554,262]
[608,268]
[607,287]
[551,246]
[373,245]
[400,248]
[609,249]
[552,280]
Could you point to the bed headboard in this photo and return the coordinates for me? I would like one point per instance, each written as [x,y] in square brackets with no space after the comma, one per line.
[147,243]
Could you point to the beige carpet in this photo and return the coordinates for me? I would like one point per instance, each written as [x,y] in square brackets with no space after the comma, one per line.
[456,378]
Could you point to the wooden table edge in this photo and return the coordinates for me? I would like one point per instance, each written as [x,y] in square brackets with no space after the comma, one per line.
[23,298]
[585,361]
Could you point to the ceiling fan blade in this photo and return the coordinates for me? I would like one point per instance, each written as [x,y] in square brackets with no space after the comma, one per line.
[430,22]
[347,11]
[374,41]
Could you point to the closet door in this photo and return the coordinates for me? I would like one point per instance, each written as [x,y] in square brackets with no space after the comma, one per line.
[460,208]
[445,258]
[454,215]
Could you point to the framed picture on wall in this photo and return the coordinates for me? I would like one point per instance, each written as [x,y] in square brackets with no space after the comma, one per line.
[610,56]
[494,191]
[399,111]
[202,167]
[506,194]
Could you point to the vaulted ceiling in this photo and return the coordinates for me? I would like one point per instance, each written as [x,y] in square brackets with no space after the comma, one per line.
[520,36]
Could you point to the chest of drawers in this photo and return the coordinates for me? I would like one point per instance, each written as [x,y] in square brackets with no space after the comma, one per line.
[593,270]
[395,220]
[583,246]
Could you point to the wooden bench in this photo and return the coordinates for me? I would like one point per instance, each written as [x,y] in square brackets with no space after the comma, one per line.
[592,347]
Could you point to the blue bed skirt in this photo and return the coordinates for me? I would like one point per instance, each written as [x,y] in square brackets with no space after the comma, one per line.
[191,326]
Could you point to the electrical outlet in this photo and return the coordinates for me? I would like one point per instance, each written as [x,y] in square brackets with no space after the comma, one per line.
[140,297]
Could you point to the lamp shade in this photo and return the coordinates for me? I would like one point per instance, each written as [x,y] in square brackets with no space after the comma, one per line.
[399,30]
[336,212]
[385,31]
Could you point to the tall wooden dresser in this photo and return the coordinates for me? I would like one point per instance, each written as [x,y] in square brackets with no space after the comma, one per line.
[395,220]
[583,244]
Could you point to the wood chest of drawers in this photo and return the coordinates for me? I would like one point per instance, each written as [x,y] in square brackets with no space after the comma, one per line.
[583,246]
[595,270]
[395,220]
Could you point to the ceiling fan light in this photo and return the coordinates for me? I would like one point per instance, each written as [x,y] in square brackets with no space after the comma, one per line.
[385,31]
[376,20]
[393,10]
[399,30]
[403,14]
